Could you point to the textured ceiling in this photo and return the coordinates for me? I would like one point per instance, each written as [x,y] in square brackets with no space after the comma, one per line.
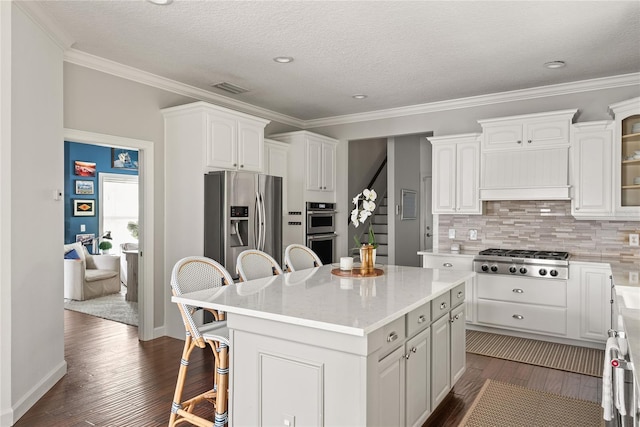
[399,53]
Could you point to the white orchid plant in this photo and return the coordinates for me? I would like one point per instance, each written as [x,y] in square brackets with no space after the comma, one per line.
[364,206]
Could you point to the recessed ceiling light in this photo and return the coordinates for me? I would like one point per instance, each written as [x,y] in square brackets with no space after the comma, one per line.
[161,2]
[359,96]
[283,59]
[555,64]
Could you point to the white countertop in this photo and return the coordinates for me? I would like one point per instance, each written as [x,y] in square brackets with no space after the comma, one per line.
[318,299]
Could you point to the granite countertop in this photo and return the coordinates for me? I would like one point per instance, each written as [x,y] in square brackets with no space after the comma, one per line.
[316,298]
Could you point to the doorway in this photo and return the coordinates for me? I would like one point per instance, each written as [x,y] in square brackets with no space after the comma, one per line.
[145,215]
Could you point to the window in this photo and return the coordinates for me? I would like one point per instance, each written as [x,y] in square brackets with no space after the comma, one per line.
[118,207]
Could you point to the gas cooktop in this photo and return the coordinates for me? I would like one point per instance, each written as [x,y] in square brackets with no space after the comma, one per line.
[525,253]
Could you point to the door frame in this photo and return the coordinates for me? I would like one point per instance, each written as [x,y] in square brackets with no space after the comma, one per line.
[145,215]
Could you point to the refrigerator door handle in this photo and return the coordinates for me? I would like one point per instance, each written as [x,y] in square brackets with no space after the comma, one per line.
[256,223]
[263,225]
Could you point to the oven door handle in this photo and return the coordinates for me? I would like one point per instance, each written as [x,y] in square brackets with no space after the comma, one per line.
[321,212]
[322,236]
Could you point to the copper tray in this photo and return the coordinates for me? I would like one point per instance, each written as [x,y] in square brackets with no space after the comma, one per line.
[356,272]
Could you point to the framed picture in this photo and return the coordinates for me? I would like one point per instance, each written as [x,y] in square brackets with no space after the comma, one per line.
[409,208]
[85,168]
[84,187]
[84,207]
[123,158]
[85,239]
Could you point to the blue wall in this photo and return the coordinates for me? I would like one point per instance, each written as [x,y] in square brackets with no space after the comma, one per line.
[101,156]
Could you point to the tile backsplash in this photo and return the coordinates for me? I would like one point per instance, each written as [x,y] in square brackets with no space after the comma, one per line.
[542,225]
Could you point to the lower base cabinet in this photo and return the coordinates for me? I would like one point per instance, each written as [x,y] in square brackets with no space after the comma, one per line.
[440,360]
[418,375]
[458,343]
[391,372]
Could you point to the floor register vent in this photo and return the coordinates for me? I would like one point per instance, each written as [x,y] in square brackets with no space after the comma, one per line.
[229,87]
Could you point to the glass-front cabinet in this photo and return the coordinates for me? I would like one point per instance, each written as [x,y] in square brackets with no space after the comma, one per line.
[627,157]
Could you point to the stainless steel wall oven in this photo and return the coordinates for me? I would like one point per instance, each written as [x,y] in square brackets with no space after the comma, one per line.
[321,230]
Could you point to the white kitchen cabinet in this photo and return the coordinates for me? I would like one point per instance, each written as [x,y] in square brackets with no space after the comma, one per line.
[321,164]
[528,131]
[440,360]
[626,165]
[458,342]
[526,157]
[592,153]
[228,139]
[592,282]
[391,385]
[456,174]
[455,262]
[418,379]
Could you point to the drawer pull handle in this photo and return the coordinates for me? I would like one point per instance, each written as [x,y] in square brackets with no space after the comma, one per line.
[518,291]
[392,337]
[447,264]
[443,306]
[460,294]
[518,316]
[422,319]
[454,318]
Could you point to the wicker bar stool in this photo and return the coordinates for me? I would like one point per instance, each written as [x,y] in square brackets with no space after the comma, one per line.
[193,274]
[254,264]
[299,257]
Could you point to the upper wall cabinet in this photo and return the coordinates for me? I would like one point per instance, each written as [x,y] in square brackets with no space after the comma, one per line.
[526,157]
[626,159]
[230,139]
[456,174]
[592,180]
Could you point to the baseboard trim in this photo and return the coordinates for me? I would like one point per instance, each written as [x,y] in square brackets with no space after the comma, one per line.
[40,389]
[159,332]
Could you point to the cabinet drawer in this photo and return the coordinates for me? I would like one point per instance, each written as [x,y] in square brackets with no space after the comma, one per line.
[458,294]
[452,262]
[418,319]
[523,290]
[440,306]
[548,320]
[393,335]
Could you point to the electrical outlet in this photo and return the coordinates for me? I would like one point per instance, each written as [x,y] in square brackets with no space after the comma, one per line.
[634,240]
[452,233]
[83,228]
[473,234]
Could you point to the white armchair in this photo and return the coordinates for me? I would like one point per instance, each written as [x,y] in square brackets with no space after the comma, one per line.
[90,276]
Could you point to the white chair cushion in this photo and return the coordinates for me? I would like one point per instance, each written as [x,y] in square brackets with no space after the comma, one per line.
[93,275]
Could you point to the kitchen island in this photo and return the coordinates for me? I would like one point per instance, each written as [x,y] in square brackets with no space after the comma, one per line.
[312,348]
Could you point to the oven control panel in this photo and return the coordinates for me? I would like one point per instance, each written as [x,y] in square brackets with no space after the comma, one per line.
[520,268]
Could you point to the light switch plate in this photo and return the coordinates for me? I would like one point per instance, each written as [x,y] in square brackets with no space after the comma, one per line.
[452,233]
[473,234]
[634,240]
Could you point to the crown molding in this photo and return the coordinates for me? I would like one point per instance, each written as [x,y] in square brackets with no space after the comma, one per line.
[632,79]
[97,63]
[59,36]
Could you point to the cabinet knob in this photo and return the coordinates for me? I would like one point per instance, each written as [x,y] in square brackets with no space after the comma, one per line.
[422,319]
[241,166]
[235,164]
[407,356]
[518,291]
[413,350]
[519,142]
[392,337]
[577,209]
[443,306]
[529,141]
[460,294]
[518,316]
[447,264]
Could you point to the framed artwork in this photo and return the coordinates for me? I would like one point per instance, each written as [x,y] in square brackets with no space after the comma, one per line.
[409,208]
[84,187]
[85,168]
[123,158]
[85,239]
[84,207]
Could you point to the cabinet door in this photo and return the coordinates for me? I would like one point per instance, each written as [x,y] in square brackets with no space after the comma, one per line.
[328,167]
[391,373]
[418,376]
[250,146]
[592,161]
[458,343]
[595,307]
[502,137]
[468,178]
[440,361]
[541,132]
[444,178]
[314,162]
[277,158]
[221,145]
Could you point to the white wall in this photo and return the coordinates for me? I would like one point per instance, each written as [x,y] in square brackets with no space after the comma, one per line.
[32,339]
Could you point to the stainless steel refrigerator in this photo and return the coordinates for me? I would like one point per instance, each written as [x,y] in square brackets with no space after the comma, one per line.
[242,210]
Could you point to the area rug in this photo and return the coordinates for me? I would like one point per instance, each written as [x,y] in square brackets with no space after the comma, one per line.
[581,360]
[112,307]
[504,404]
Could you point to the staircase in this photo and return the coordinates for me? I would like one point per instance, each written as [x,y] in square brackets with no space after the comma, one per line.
[380,221]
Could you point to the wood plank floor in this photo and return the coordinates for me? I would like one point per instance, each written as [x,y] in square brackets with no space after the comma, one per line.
[115,380]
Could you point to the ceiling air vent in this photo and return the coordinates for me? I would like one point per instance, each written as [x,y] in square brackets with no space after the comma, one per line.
[231,88]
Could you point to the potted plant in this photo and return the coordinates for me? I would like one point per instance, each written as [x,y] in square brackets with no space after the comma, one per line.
[364,206]
[105,246]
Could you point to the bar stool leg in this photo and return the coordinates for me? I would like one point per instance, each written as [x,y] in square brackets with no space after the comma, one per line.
[182,375]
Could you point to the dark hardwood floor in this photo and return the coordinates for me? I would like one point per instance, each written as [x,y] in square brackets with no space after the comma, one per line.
[115,380]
